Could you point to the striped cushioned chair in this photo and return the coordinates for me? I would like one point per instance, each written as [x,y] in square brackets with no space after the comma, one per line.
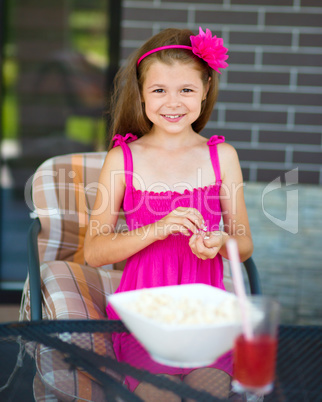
[60,284]
[63,194]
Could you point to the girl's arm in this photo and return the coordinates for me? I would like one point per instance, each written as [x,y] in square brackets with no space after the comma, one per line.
[234,212]
[233,207]
[103,244]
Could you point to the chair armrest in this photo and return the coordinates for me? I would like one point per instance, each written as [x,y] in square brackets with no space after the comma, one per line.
[253,276]
[34,270]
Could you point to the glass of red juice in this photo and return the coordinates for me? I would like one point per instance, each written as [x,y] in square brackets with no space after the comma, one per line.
[255,354]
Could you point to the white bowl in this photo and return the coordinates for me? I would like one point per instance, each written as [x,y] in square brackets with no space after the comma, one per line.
[180,345]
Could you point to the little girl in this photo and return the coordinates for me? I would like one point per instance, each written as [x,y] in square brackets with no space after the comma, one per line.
[173,184]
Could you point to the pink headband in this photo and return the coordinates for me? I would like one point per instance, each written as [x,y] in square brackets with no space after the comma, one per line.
[208,48]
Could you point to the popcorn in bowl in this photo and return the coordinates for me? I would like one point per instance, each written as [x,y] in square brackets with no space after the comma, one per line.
[187,325]
[167,309]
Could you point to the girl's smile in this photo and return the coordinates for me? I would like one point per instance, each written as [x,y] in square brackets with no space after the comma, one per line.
[172,95]
[173,118]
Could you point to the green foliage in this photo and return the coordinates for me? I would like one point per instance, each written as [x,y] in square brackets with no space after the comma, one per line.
[87,35]
[9,106]
[86,130]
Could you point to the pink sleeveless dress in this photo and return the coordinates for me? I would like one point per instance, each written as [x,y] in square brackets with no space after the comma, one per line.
[170,261]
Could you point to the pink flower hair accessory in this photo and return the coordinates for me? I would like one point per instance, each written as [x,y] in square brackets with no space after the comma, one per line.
[210,49]
[207,47]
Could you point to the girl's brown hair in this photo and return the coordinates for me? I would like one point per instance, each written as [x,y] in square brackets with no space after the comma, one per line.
[127,109]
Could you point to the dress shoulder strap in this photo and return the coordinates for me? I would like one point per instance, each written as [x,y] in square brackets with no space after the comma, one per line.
[212,143]
[122,141]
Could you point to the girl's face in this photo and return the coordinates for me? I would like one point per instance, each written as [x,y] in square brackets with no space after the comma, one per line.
[173,96]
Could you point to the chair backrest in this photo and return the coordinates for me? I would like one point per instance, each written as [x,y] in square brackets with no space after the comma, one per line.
[63,193]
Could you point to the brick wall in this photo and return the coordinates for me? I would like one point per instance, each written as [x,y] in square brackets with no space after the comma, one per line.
[270,103]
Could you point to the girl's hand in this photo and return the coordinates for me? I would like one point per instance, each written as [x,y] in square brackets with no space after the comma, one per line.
[181,220]
[207,245]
